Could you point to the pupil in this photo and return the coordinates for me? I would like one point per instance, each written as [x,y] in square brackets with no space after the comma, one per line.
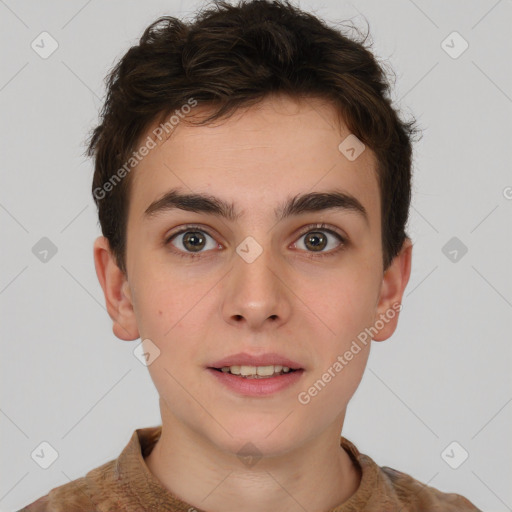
[317,240]
[195,239]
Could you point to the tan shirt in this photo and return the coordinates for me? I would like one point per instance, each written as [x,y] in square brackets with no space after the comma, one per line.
[126,484]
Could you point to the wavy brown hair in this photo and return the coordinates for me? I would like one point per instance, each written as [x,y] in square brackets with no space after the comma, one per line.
[231,56]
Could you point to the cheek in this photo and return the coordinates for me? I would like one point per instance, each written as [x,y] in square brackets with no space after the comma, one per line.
[327,393]
[344,302]
[347,305]
[166,301]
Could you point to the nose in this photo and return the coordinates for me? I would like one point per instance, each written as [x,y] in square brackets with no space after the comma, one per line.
[257,293]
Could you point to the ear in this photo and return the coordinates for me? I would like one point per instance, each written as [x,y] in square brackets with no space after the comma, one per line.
[116,289]
[394,281]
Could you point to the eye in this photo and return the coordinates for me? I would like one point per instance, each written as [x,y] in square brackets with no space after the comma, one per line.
[317,241]
[192,240]
[317,238]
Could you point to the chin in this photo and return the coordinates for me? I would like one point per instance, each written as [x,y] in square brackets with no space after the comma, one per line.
[266,436]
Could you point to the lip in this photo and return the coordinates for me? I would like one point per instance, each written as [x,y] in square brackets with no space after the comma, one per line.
[244,359]
[256,387]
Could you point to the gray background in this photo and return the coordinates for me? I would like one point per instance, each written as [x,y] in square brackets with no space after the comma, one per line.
[445,374]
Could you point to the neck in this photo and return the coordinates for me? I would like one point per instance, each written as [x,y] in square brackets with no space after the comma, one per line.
[318,475]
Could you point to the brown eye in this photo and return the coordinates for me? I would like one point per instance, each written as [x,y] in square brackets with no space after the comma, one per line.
[192,241]
[322,241]
[315,240]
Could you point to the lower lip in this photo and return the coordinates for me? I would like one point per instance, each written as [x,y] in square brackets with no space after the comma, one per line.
[257,387]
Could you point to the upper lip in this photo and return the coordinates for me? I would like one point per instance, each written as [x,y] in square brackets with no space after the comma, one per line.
[244,359]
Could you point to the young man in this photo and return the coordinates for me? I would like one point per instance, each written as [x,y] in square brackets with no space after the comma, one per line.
[253,187]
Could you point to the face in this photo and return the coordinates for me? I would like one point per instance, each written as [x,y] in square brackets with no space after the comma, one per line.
[301,279]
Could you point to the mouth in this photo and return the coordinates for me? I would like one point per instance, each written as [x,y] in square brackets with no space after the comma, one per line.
[256,366]
[256,372]
[256,381]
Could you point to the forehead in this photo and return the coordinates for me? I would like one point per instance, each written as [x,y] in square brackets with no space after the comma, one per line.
[279,148]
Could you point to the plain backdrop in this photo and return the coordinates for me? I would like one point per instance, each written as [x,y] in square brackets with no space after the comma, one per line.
[445,374]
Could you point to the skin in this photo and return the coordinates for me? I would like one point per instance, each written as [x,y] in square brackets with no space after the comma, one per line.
[289,300]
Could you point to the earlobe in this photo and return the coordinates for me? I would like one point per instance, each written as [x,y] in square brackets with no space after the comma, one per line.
[394,282]
[116,290]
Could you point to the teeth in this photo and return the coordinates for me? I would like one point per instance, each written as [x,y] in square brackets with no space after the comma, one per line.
[255,371]
[245,371]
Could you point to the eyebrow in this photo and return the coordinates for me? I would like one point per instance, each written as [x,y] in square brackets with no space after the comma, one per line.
[299,204]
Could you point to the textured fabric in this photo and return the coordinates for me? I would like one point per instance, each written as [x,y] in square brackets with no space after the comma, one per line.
[126,484]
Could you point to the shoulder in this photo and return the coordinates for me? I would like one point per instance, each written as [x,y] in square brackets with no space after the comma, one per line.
[416,496]
[385,489]
[106,487]
[80,495]
[70,497]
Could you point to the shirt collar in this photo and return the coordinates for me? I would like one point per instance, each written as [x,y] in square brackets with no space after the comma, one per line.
[134,475]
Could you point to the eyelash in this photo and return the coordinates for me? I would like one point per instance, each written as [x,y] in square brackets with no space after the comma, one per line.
[308,229]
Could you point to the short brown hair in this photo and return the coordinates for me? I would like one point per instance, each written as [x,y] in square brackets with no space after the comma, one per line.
[231,56]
